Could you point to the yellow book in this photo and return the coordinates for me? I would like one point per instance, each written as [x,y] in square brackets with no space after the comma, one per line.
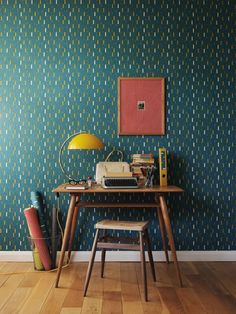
[163,166]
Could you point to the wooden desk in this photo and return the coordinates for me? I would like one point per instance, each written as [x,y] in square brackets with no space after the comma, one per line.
[159,203]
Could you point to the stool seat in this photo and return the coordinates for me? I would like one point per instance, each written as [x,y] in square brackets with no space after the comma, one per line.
[122,225]
[107,242]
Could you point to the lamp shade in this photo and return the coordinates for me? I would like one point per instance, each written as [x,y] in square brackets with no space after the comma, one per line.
[85,141]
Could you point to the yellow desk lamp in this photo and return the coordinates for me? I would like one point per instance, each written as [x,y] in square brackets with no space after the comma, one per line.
[80,140]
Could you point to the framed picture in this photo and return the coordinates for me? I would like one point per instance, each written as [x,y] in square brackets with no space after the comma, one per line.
[141,106]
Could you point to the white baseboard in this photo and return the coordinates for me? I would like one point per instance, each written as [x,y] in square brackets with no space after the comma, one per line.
[129,256]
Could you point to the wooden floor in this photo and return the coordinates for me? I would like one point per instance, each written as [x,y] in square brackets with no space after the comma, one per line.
[208,288]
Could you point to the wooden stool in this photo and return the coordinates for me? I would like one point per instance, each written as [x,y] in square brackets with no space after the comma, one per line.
[107,242]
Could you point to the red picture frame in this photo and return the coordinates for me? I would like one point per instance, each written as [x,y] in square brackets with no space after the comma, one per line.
[141,106]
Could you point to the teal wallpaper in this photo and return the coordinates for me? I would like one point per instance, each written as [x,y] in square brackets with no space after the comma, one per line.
[59,65]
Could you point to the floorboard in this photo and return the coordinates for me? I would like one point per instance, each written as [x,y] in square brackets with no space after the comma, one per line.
[208,287]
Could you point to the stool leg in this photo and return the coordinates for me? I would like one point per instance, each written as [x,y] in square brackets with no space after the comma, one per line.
[143,262]
[103,256]
[150,254]
[90,266]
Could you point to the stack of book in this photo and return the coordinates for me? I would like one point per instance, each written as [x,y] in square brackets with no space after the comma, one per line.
[140,163]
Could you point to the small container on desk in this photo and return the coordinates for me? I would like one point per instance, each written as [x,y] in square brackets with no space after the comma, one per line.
[89,182]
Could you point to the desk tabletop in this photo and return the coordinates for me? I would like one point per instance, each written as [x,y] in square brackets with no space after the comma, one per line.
[63,188]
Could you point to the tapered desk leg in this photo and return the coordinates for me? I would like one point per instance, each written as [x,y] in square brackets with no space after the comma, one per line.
[73,228]
[66,235]
[163,236]
[170,235]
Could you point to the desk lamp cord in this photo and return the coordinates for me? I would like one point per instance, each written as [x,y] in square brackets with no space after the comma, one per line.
[58,220]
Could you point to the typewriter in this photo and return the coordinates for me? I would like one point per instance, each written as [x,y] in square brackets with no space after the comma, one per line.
[119,182]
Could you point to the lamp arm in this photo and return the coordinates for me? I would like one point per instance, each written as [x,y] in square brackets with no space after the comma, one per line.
[60,154]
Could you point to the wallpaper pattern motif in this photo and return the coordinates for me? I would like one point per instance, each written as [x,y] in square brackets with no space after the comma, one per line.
[59,65]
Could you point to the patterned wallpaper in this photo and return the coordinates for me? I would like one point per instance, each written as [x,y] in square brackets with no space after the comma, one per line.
[59,65]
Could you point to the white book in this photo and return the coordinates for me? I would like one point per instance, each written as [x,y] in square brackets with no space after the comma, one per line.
[76,187]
